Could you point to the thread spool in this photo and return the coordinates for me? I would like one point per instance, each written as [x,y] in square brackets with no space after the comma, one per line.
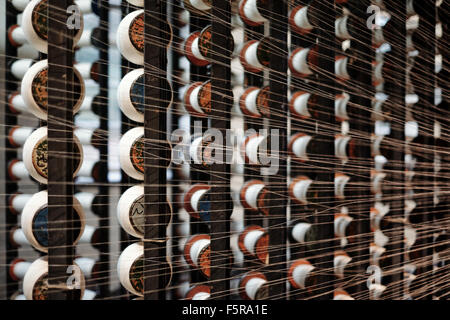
[377,181]
[20,67]
[35,155]
[340,106]
[254,102]
[16,36]
[34,221]
[130,268]
[343,28]
[198,6]
[193,52]
[254,242]
[131,211]
[196,202]
[17,135]
[341,69]
[254,286]
[344,228]
[250,11]
[301,103]
[303,61]
[197,99]
[137,3]
[16,103]
[301,231]
[34,89]
[198,292]
[34,25]
[299,144]
[300,274]
[340,294]
[300,190]
[20,5]
[17,201]
[252,196]
[375,254]
[344,147]
[340,261]
[17,170]
[131,148]
[130,37]
[254,148]
[340,181]
[197,253]
[254,55]
[18,268]
[35,282]
[303,19]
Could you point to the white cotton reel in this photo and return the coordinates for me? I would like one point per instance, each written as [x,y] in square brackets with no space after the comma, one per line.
[298,146]
[253,286]
[299,231]
[298,189]
[254,241]
[131,151]
[130,95]
[340,261]
[35,282]
[130,268]
[34,25]
[17,202]
[249,194]
[16,103]
[302,60]
[18,268]
[340,106]
[130,211]
[253,147]
[340,181]
[17,170]
[130,40]
[249,13]
[300,104]
[34,89]
[18,135]
[298,272]
[16,36]
[197,253]
[340,294]
[251,56]
[299,20]
[202,5]
[34,221]
[198,292]
[35,155]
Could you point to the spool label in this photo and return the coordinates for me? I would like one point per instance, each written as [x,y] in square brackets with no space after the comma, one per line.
[39,19]
[137,154]
[40,289]
[204,261]
[137,94]
[204,42]
[262,101]
[204,97]
[136,33]
[137,275]
[137,217]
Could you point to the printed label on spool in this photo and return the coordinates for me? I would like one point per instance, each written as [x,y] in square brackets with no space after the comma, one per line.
[39,19]
[137,275]
[40,289]
[204,261]
[137,94]
[204,42]
[39,89]
[204,97]
[137,216]
[40,158]
[137,155]
[136,32]
[262,101]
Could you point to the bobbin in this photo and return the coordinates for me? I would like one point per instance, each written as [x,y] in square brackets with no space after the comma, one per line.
[131,153]
[196,201]
[17,170]
[197,253]
[17,201]
[198,6]
[340,181]
[20,67]
[198,292]
[343,147]
[35,281]
[301,103]
[131,211]
[20,5]
[253,148]
[35,155]
[254,102]
[130,268]
[35,225]
[340,106]
[17,135]
[303,19]
[303,61]
[299,144]
[340,261]
[343,28]
[341,68]
[197,99]
[301,231]
[254,242]
[300,190]
[377,180]
[16,103]
[34,89]
[16,36]
[253,286]
[251,194]
[340,294]
[130,37]
[193,51]
[342,221]
[18,268]
[254,55]
[299,274]
[250,11]
[34,25]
